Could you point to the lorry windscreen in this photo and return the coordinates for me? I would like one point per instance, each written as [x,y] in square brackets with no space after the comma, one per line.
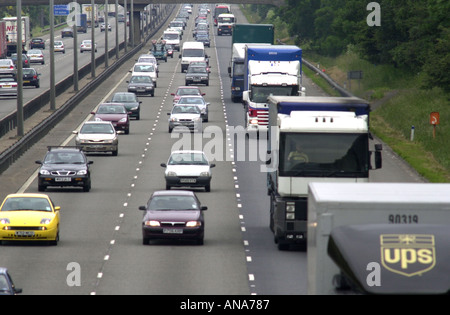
[261,93]
[324,155]
[239,68]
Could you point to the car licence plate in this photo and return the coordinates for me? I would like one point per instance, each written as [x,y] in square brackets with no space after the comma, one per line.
[24,233]
[188,180]
[172,231]
[63,179]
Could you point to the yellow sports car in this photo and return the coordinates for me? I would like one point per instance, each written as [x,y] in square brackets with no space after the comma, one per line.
[29,217]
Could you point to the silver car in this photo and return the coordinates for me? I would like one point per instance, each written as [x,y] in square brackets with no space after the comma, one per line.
[8,87]
[86,45]
[188,117]
[98,136]
[7,67]
[36,56]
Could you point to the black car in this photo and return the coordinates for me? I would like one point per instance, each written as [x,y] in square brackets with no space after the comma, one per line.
[197,75]
[203,38]
[31,77]
[131,102]
[141,84]
[67,32]
[37,43]
[25,60]
[63,167]
[173,215]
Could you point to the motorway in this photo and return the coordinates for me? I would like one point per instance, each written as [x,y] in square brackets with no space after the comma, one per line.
[63,62]
[101,230]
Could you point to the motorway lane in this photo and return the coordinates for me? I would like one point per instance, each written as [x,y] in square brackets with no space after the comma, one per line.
[122,184]
[231,255]
[274,271]
[63,63]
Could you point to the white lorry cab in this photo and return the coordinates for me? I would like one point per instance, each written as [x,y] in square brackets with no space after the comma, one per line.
[172,37]
[225,23]
[192,51]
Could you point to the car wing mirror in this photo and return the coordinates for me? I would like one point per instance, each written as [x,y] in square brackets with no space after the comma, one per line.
[163,165]
[204,208]
[143,208]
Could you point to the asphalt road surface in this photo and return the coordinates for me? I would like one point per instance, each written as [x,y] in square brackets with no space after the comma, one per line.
[101,241]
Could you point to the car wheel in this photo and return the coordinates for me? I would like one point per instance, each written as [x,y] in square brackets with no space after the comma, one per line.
[168,187]
[41,187]
[200,241]
[55,242]
[115,153]
[208,188]
[87,187]
[127,132]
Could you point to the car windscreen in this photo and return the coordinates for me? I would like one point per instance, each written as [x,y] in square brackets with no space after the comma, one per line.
[188,158]
[26,203]
[97,129]
[64,158]
[173,203]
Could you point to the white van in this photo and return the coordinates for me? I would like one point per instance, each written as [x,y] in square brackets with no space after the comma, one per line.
[192,51]
[172,37]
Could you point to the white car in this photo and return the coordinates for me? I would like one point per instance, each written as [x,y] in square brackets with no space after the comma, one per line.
[59,47]
[103,27]
[8,87]
[196,100]
[36,56]
[145,69]
[188,168]
[98,136]
[149,58]
[86,45]
[185,117]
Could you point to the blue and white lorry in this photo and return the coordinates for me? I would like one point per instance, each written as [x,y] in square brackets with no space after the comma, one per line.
[270,70]
[242,35]
[313,139]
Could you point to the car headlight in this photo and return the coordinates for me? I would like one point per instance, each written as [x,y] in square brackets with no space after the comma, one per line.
[204,174]
[44,172]
[152,223]
[46,221]
[134,108]
[194,224]
[173,119]
[82,172]
[98,119]
[4,221]
[123,120]
[171,174]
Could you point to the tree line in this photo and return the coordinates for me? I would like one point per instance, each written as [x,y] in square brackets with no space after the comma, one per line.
[413,34]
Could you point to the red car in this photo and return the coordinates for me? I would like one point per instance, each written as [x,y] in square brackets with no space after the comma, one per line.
[186,90]
[173,215]
[116,113]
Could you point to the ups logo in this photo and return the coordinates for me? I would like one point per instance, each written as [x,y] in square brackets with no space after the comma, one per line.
[408,254]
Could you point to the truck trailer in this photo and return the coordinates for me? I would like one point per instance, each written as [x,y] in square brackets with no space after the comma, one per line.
[313,139]
[270,70]
[3,45]
[378,238]
[12,34]
[245,34]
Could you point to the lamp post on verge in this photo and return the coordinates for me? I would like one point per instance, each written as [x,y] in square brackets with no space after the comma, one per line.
[20,128]
[52,57]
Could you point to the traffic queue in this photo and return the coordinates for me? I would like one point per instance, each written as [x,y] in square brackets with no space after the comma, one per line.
[67,167]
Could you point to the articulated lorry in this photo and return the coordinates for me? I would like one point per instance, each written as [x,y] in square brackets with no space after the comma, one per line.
[12,34]
[313,139]
[270,70]
[242,35]
[378,238]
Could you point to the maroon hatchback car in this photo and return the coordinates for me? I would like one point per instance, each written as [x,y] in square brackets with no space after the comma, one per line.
[173,215]
[116,113]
